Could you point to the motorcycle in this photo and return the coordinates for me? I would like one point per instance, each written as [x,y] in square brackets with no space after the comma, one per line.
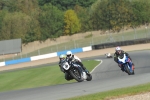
[75,71]
[108,55]
[126,64]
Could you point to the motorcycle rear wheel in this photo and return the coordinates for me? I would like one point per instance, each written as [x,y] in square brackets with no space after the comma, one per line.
[89,77]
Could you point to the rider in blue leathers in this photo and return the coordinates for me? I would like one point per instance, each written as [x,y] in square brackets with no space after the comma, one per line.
[119,53]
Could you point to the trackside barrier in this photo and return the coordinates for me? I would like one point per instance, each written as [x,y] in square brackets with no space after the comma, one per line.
[10,62]
[89,48]
[2,64]
[73,51]
[78,50]
[50,55]
[121,43]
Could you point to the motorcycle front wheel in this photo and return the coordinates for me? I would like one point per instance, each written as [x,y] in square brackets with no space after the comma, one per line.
[128,70]
[75,73]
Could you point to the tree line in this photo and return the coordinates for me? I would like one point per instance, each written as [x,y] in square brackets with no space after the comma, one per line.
[39,20]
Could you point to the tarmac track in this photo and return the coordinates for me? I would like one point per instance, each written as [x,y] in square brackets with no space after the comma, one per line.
[106,76]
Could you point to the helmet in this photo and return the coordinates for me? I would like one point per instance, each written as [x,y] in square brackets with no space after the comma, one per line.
[62,57]
[118,48]
[69,53]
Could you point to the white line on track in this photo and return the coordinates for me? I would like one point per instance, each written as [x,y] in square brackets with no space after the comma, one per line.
[97,66]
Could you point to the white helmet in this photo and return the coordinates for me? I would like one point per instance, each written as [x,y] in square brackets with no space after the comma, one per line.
[69,53]
[118,48]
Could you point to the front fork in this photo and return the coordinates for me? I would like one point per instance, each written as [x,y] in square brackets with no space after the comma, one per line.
[80,69]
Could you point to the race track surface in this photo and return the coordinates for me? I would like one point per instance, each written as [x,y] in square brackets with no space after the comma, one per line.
[106,76]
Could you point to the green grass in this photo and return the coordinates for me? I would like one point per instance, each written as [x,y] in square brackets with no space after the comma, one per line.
[115,93]
[37,77]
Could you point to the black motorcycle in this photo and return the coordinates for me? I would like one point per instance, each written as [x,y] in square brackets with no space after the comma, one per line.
[75,71]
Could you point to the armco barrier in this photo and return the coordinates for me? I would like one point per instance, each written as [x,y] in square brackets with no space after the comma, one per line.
[17,61]
[73,51]
[50,55]
[99,46]
[121,43]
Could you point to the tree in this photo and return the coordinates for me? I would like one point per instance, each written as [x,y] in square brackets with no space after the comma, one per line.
[141,10]
[15,25]
[9,5]
[86,3]
[111,14]
[84,17]
[51,21]
[67,4]
[30,8]
[2,15]
[72,24]
[100,15]
[121,13]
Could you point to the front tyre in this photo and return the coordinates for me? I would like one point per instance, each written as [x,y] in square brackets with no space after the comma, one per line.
[75,73]
[128,70]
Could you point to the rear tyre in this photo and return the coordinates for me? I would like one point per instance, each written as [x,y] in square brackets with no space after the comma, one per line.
[89,77]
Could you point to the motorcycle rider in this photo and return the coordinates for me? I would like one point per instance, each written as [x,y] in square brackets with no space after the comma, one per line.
[72,57]
[62,57]
[118,53]
[108,55]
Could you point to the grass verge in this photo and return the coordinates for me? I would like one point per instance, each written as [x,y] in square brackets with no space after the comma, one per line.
[117,93]
[37,77]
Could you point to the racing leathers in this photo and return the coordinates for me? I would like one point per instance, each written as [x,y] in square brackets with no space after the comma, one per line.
[116,55]
[67,76]
[78,61]
[61,66]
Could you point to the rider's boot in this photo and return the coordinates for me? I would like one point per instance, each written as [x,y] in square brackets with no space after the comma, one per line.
[121,67]
[86,71]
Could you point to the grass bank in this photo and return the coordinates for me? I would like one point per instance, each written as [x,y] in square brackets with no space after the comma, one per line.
[37,77]
[117,93]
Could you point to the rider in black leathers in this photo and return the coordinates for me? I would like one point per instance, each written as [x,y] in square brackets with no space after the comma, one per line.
[71,57]
[62,57]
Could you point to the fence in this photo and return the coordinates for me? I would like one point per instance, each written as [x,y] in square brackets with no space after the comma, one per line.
[78,41]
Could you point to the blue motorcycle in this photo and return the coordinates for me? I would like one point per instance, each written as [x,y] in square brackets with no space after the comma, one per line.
[126,64]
